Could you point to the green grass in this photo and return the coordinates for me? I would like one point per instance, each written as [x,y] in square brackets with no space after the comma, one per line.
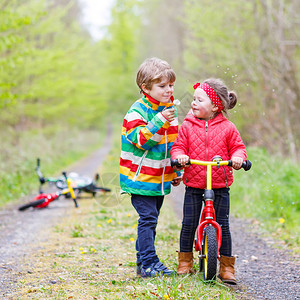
[100,262]
[270,194]
[91,254]
[57,151]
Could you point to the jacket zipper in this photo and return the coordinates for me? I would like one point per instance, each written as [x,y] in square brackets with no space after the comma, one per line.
[206,132]
[225,175]
[139,167]
[206,125]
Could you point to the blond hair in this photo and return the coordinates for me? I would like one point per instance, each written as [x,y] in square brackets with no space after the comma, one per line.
[154,70]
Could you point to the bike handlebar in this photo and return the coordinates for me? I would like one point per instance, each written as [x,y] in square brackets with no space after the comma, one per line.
[71,190]
[39,173]
[246,164]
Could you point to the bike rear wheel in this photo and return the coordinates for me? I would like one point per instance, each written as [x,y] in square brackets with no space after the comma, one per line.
[32,204]
[209,261]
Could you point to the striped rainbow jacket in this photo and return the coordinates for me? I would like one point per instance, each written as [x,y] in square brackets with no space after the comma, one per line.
[147,138]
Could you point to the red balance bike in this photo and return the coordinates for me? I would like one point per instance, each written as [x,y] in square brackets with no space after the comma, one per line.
[43,200]
[209,232]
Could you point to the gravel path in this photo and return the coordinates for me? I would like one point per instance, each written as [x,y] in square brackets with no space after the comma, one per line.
[21,232]
[263,272]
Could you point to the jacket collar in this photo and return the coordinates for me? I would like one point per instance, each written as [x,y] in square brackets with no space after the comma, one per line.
[156,105]
[190,117]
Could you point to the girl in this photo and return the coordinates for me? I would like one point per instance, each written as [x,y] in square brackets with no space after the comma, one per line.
[204,134]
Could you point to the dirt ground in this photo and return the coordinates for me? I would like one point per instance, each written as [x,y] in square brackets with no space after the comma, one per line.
[20,234]
[263,271]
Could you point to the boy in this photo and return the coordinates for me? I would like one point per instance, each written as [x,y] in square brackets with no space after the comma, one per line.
[149,130]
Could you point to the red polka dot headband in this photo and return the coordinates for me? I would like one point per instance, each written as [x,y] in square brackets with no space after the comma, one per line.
[210,93]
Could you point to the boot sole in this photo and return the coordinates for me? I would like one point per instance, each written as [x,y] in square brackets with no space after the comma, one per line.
[231,282]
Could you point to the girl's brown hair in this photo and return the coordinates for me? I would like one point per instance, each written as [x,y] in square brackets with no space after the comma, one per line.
[228,98]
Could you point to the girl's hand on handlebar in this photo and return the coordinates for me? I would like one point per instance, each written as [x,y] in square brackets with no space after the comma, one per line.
[169,114]
[182,159]
[237,162]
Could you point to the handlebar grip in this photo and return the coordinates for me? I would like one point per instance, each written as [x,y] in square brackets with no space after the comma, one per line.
[175,163]
[39,173]
[247,165]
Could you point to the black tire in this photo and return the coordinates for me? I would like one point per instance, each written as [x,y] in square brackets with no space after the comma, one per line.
[102,189]
[210,252]
[32,204]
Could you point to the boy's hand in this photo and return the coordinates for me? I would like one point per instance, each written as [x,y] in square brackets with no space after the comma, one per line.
[169,114]
[176,181]
[182,159]
[237,162]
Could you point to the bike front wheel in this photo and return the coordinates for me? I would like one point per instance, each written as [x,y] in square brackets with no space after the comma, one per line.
[210,251]
[32,204]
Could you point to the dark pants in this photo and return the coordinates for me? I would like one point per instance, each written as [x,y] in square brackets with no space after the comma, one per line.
[191,213]
[148,208]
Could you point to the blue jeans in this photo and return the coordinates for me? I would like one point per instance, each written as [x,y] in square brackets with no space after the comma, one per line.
[191,213]
[148,208]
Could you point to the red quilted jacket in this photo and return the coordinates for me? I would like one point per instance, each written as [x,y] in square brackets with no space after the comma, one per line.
[202,140]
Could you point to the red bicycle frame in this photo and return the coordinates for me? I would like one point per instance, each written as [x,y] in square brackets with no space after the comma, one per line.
[208,216]
[48,198]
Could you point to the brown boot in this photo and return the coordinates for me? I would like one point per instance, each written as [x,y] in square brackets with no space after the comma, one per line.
[185,263]
[227,269]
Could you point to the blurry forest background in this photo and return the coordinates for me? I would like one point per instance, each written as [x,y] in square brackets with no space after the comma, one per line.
[59,87]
